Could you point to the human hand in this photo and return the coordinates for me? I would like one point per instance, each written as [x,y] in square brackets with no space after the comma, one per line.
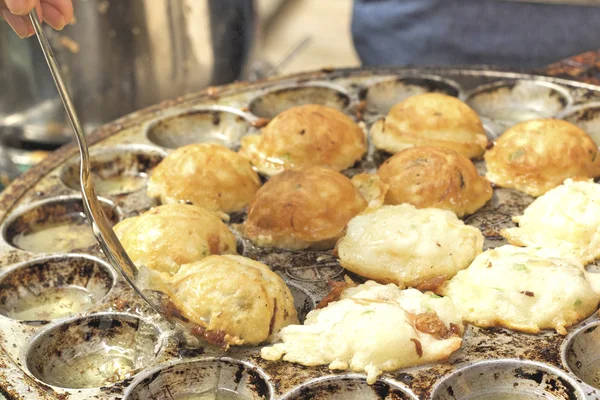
[57,13]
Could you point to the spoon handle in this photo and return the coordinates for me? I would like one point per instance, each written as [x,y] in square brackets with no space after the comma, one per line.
[112,247]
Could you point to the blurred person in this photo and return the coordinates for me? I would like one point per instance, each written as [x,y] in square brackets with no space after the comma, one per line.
[510,33]
[507,33]
[57,13]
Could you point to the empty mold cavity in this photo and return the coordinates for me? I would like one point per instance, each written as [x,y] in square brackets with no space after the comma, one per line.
[269,104]
[384,95]
[349,388]
[504,104]
[303,301]
[223,379]
[507,380]
[116,171]
[54,287]
[55,226]
[218,125]
[587,117]
[94,351]
[581,354]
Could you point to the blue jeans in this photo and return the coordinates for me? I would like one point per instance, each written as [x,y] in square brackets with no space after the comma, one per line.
[455,32]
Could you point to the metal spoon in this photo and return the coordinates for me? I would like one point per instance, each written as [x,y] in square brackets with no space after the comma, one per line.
[110,244]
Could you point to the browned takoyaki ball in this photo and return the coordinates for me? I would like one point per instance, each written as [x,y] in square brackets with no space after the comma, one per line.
[305,136]
[536,156]
[434,177]
[431,119]
[305,208]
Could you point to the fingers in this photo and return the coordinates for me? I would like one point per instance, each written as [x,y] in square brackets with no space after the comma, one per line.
[20,24]
[20,7]
[17,23]
[57,13]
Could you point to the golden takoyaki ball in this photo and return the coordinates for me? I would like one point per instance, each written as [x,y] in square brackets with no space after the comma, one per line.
[234,299]
[431,119]
[305,136]
[434,177]
[524,288]
[206,175]
[536,156]
[373,328]
[165,237]
[301,209]
[408,246]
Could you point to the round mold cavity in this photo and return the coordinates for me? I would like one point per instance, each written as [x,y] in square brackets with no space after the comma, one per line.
[54,287]
[581,354]
[94,351]
[303,301]
[271,103]
[218,125]
[116,171]
[221,378]
[507,379]
[384,95]
[56,225]
[504,104]
[349,387]
[587,117]
[313,267]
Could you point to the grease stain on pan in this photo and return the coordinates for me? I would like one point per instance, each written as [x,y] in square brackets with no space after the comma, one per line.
[204,379]
[587,117]
[350,387]
[581,354]
[313,267]
[303,301]
[506,379]
[274,101]
[54,287]
[503,104]
[210,124]
[94,351]
[116,170]
[56,225]
[383,95]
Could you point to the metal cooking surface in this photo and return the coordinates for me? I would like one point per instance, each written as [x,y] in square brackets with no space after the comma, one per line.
[87,336]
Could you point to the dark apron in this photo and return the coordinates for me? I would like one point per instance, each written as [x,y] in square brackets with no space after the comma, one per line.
[459,32]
